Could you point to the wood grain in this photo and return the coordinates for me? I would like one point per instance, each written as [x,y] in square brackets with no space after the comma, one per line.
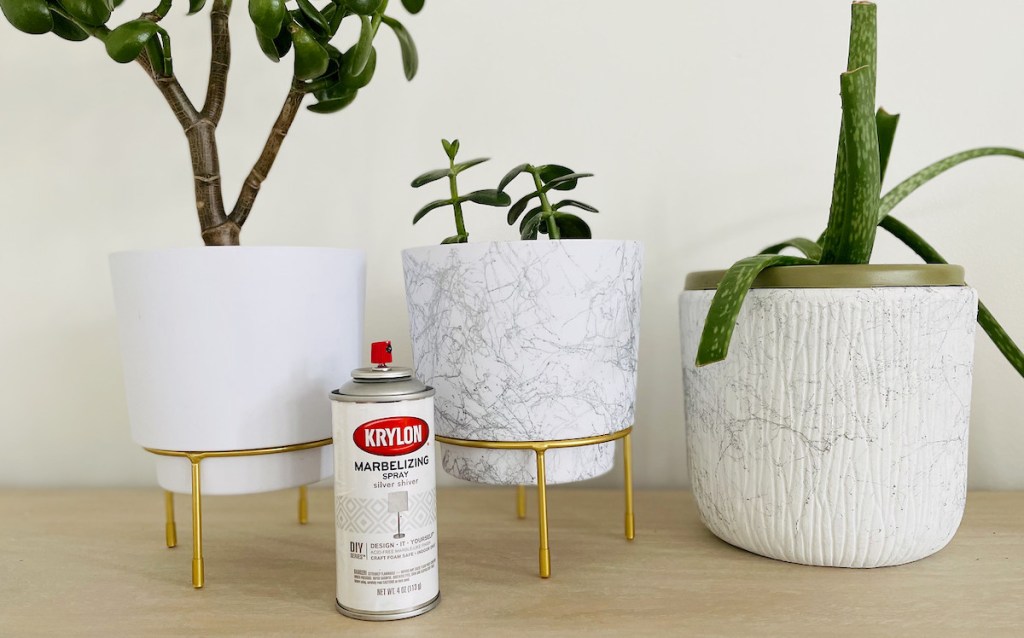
[92,562]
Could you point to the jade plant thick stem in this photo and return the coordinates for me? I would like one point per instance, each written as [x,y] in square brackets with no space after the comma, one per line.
[545,217]
[332,77]
[858,209]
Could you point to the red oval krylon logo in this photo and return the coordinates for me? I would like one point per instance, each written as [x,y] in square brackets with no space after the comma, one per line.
[392,436]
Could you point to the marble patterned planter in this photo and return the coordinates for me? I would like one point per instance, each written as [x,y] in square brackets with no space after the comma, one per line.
[835,432]
[526,341]
[236,348]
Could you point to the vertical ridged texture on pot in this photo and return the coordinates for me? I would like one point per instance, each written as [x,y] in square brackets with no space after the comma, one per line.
[835,433]
[527,341]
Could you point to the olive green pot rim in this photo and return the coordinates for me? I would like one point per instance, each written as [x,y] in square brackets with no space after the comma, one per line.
[842,276]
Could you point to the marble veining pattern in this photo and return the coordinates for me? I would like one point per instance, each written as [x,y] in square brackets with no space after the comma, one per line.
[527,341]
[835,433]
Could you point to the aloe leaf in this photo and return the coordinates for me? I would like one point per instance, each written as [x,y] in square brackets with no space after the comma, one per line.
[571,227]
[885,125]
[410,57]
[986,320]
[430,176]
[851,229]
[576,204]
[725,307]
[458,168]
[511,175]
[863,48]
[810,249]
[923,176]
[437,203]
[518,208]
[487,197]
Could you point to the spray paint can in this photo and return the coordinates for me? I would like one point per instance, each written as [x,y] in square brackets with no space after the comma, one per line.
[385,494]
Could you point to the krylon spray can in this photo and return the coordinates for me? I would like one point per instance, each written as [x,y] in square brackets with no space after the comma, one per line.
[385,492]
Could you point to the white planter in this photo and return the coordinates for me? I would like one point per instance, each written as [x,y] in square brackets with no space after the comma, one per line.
[527,341]
[235,348]
[835,432]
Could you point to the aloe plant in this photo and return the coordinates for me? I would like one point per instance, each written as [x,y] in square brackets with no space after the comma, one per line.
[858,208]
[332,77]
[545,217]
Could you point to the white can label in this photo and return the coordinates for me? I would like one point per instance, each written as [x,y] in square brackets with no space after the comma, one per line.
[385,505]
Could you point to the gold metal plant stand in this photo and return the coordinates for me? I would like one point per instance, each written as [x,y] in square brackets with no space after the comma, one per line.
[539,448]
[198,568]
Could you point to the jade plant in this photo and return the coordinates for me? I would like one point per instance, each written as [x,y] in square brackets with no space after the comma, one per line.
[544,218]
[857,208]
[331,76]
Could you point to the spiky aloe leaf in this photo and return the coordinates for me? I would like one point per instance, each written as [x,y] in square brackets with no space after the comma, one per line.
[850,236]
[725,307]
[811,249]
[918,179]
[863,54]
[986,320]
[885,125]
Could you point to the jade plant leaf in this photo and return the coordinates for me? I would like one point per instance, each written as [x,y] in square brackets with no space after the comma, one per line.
[511,175]
[430,176]
[530,227]
[517,209]
[333,105]
[363,7]
[126,42]
[575,204]
[549,172]
[350,78]
[410,56]
[275,48]
[268,16]
[195,6]
[363,48]
[487,197]
[314,16]
[67,29]
[92,13]
[437,203]
[565,182]
[571,227]
[413,6]
[30,16]
[461,166]
[311,59]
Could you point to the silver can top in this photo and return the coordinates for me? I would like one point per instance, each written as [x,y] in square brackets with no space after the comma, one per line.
[382,383]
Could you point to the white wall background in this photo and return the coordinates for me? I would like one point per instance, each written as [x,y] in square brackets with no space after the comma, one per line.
[711,126]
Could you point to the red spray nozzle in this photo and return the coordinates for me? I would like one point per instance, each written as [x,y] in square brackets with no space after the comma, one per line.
[380,353]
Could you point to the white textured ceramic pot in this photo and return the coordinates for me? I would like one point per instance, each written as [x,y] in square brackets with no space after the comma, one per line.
[527,341]
[835,432]
[235,348]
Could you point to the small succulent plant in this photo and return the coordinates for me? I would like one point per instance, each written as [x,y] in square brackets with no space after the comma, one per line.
[544,218]
[858,208]
[487,197]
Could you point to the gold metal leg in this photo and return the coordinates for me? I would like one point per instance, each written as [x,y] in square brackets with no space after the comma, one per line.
[170,528]
[520,501]
[198,569]
[627,462]
[303,505]
[542,508]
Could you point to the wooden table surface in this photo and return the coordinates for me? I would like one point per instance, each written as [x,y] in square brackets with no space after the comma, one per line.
[93,562]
